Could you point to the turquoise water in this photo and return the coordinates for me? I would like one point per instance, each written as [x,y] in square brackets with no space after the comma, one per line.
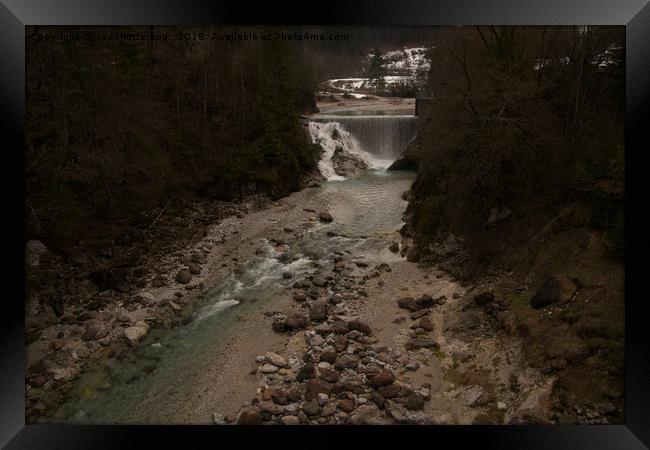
[368,212]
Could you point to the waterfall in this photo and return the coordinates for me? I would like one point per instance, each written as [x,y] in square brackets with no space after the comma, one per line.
[377,140]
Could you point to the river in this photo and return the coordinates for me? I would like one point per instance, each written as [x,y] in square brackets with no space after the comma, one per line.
[164,370]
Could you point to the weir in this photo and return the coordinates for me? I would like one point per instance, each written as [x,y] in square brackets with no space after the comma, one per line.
[383,137]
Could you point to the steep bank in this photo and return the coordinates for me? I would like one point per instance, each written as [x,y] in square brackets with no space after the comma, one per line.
[526,201]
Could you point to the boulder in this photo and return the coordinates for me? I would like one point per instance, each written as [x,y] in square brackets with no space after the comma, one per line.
[426,301]
[556,289]
[421,342]
[325,216]
[183,276]
[345,163]
[316,386]
[318,311]
[194,268]
[346,362]
[311,408]
[296,321]
[328,356]
[290,420]
[426,324]
[359,326]
[347,405]
[382,378]
[275,359]
[408,303]
[484,298]
[249,417]
[135,333]
[199,258]
[414,402]
[306,371]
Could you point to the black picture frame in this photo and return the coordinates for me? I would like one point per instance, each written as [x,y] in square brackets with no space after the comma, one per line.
[15,14]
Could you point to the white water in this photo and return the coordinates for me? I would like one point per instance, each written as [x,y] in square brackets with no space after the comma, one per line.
[331,135]
[377,140]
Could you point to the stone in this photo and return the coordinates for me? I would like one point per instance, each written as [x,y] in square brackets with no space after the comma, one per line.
[296,321]
[556,289]
[328,356]
[412,366]
[340,343]
[329,375]
[318,311]
[316,340]
[425,301]
[199,258]
[484,298]
[382,378]
[287,275]
[299,296]
[346,362]
[306,371]
[311,408]
[290,420]
[135,333]
[324,365]
[90,333]
[421,342]
[267,368]
[408,303]
[426,324]
[389,391]
[275,359]
[316,386]
[183,276]
[323,399]
[414,402]
[393,247]
[340,327]
[359,326]
[347,405]
[368,415]
[508,322]
[249,417]
[325,216]
[279,323]
[319,281]
[194,268]
[421,313]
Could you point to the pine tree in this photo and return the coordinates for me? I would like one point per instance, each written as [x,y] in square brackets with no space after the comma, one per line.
[376,72]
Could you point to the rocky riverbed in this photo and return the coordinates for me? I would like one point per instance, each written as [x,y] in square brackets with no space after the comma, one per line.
[307,311]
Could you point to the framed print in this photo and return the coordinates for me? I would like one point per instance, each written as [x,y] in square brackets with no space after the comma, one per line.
[370,219]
